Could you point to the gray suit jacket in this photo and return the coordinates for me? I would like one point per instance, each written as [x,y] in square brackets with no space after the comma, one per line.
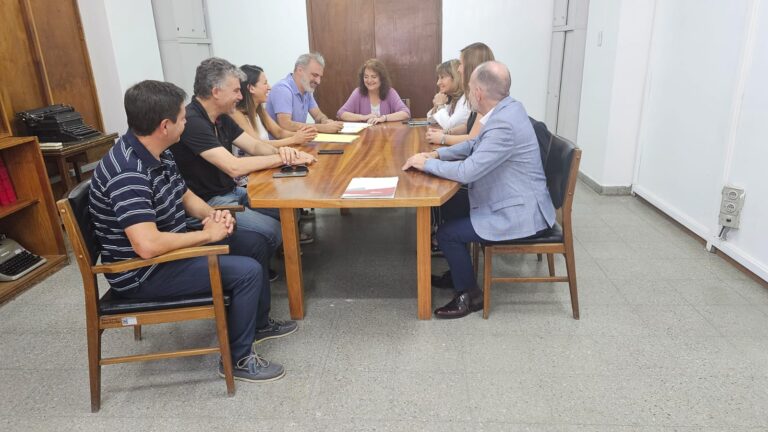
[508,193]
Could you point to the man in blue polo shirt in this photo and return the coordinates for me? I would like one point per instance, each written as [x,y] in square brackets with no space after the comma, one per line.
[291,99]
[139,204]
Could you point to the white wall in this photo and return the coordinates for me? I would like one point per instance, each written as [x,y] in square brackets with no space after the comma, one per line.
[122,45]
[98,39]
[266,33]
[518,31]
[597,85]
[747,168]
[692,79]
[615,64]
[703,119]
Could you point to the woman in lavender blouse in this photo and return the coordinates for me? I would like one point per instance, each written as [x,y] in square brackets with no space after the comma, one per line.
[374,100]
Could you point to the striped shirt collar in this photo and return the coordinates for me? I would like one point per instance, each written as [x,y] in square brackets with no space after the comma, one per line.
[143,154]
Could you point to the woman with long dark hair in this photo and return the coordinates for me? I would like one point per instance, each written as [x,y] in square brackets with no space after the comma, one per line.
[253,118]
[374,100]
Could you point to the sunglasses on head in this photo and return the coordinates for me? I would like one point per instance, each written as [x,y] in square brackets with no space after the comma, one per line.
[294,168]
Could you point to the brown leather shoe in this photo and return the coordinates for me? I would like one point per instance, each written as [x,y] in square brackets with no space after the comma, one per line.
[462,305]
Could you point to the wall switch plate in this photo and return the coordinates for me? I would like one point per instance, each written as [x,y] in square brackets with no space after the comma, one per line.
[730,206]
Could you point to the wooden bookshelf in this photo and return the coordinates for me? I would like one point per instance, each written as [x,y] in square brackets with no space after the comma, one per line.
[32,220]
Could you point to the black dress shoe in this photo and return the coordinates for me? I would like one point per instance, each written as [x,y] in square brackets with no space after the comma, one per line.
[443,281]
[462,305]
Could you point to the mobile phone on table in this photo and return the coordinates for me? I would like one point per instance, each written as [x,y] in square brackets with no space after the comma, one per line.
[291,171]
[330,151]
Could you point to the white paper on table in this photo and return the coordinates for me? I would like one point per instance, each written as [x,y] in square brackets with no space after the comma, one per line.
[353,127]
[371,187]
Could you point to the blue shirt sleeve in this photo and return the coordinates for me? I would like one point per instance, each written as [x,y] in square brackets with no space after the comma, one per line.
[281,100]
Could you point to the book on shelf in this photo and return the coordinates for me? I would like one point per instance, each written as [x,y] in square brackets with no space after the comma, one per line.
[7,194]
[371,187]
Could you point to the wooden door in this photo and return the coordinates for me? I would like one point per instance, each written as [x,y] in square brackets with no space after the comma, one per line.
[406,35]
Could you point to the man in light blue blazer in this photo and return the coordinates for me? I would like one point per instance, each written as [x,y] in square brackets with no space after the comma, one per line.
[507,189]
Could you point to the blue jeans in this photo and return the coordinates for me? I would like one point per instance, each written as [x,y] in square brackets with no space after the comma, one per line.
[244,279]
[263,221]
[453,235]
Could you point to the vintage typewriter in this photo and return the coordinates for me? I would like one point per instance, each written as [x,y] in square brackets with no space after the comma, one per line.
[57,123]
[15,261]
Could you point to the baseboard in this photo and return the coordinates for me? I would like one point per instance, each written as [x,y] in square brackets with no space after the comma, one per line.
[604,190]
[744,261]
[741,260]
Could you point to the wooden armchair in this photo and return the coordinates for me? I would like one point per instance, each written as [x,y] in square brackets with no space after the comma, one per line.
[111,311]
[561,169]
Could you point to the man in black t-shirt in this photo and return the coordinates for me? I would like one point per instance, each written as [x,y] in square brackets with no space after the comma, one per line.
[204,153]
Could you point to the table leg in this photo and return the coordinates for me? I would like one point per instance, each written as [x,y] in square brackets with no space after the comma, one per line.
[424,263]
[64,174]
[292,259]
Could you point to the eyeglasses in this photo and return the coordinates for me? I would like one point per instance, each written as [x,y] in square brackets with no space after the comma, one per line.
[294,168]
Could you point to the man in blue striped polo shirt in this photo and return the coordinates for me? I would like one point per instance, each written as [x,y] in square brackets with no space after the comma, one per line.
[139,204]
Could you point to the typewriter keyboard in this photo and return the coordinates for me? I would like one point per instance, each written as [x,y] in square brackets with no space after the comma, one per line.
[19,265]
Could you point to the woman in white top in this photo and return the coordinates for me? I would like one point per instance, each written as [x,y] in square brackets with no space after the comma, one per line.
[254,120]
[470,57]
[449,106]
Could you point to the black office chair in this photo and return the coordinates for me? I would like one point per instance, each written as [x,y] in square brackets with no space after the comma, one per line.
[111,311]
[561,170]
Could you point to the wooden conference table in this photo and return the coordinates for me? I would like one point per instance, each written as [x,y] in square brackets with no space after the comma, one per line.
[380,151]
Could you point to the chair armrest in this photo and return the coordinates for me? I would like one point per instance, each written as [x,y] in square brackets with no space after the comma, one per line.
[134,263]
[231,208]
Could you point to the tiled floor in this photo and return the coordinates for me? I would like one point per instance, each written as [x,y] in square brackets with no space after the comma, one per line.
[671,338]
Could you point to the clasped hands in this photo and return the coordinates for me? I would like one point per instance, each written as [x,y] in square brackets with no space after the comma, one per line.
[305,134]
[435,136]
[219,224]
[373,118]
[291,156]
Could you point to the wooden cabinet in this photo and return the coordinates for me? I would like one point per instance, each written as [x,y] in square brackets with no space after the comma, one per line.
[32,220]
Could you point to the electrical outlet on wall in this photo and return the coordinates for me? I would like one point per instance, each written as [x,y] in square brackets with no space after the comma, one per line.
[730,206]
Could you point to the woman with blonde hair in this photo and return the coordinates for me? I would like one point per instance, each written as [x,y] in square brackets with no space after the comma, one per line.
[374,100]
[470,58]
[449,106]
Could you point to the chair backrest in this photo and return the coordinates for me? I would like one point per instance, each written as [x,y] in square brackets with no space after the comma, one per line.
[407,102]
[560,169]
[544,137]
[78,199]
[79,228]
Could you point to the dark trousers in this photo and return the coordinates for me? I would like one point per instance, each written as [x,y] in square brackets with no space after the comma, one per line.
[244,278]
[453,236]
